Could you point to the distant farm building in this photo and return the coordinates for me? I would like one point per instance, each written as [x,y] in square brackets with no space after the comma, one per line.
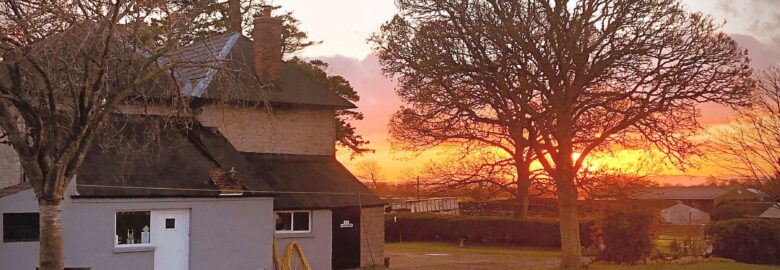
[694,205]
[682,214]
[702,198]
[732,210]
[446,205]
[772,212]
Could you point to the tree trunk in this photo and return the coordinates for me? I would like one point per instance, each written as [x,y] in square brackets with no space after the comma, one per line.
[523,184]
[570,228]
[567,206]
[50,245]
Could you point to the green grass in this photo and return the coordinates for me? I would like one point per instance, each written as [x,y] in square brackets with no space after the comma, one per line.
[697,266]
[428,247]
[453,248]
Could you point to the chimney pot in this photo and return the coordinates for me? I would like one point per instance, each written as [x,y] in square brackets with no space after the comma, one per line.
[267,49]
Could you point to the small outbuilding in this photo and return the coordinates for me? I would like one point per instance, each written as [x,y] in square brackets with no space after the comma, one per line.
[682,214]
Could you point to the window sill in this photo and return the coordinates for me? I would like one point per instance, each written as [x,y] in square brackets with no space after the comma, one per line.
[129,249]
[283,235]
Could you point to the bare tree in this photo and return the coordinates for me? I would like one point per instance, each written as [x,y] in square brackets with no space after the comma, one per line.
[484,171]
[611,184]
[369,170]
[458,95]
[750,146]
[66,67]
[583,75]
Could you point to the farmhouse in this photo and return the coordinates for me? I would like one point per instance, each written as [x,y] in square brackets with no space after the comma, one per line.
[211,191]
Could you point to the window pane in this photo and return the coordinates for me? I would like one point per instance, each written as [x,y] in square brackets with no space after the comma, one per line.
[301,221]
[20,227]
[170,223]
[283,221]
[132,227]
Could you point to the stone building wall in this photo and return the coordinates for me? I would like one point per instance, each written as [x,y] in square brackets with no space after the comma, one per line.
[372,237]
[298,131]
[10,169]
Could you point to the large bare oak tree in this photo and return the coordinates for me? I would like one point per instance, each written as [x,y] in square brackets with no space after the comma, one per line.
[577,76]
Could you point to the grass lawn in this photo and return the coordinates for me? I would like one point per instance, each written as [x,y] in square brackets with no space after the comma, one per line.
[698,266]
[426,247]
[453,248]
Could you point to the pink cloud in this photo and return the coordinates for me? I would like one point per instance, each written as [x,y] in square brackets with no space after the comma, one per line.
[378,100]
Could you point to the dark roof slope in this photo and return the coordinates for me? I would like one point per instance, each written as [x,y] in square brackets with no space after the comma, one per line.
[152,160]
[308,179]
[11,190]
[180,161]
[200,79]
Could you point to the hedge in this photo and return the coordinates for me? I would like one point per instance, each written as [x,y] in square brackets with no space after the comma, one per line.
[748,240]
[627,234]
[479,229]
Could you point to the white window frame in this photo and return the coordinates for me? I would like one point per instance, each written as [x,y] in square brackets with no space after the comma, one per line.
[113,240]
[292,221]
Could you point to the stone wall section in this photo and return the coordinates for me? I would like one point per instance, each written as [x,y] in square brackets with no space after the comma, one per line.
[372,237]
[297,131]
[10,168]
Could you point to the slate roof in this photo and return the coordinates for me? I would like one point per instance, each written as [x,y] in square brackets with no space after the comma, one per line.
[171,164]
[181,162]
[680,193]
[307,178]
[201,79]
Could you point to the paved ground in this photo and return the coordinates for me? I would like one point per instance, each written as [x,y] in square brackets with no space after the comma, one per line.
[442,260]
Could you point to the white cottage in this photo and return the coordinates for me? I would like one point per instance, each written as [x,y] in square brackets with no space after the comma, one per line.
[212,194]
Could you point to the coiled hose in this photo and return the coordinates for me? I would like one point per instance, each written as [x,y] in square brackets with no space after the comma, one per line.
[285,263]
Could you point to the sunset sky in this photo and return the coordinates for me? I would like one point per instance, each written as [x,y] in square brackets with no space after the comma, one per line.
[344,26]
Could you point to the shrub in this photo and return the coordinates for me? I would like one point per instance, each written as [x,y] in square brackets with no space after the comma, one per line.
[627,234]
[478,229]
[746,240]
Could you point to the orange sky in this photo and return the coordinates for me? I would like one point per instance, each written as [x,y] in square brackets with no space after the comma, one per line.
[344,26]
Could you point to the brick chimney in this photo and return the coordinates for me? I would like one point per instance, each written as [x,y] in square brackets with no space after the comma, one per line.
[267,36]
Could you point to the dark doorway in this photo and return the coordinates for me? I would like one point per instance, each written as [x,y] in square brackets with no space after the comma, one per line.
[346,238]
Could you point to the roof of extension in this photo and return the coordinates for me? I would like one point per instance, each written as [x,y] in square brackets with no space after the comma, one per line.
[202,78]
[179,161]
[306,182]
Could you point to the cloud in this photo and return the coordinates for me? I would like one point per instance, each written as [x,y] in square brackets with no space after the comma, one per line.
[762,55]
[760,18]
[378,100]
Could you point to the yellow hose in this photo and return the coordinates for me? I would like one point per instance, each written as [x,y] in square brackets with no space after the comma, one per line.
[286,262]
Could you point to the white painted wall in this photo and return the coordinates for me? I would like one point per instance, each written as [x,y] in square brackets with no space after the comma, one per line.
[225,233]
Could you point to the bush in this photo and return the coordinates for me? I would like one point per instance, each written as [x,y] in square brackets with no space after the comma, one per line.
[746,240]
[478,229]
[627,234]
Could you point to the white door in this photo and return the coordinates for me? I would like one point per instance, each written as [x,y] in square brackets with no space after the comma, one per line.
[170,237]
